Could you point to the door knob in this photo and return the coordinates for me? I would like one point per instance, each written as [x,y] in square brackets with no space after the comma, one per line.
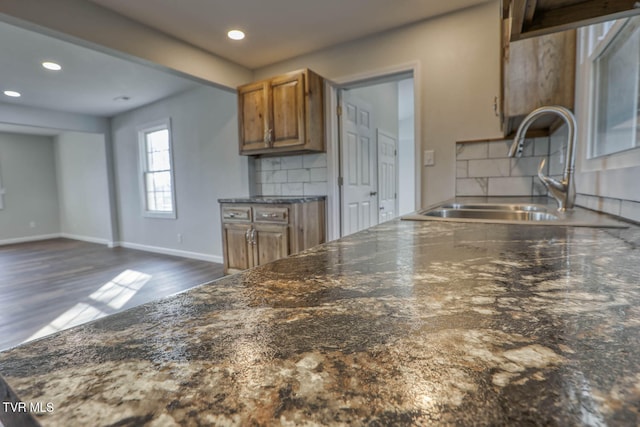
[373,193]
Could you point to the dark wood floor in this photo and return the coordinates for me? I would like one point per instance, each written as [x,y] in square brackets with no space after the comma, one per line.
[54,284]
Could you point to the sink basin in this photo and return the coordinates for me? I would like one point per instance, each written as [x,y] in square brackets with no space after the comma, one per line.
[514,213]
[495,207]
[502,215]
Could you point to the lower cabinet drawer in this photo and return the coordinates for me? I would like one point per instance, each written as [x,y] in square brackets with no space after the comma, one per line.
[270,214]
[236,213]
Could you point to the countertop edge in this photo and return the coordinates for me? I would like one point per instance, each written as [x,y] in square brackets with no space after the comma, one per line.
[273,199]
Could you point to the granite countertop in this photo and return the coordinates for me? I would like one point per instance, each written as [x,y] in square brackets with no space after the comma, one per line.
[274,199]
[408,323]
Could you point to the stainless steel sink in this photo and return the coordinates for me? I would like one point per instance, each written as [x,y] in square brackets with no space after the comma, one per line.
[495,206]
[487,214]
[514,213]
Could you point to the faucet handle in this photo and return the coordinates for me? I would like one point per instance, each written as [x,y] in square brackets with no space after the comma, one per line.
[549,182]
[540,169]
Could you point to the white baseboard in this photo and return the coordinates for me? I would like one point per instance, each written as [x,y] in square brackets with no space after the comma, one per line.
[147,248]
[85,239]
[29,239]
[174,252]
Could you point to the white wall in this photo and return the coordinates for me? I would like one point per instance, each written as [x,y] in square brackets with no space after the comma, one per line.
[406,151]
[81,170]
[43,118]
[29,179]
[383,99]
[206,166]
[458,76]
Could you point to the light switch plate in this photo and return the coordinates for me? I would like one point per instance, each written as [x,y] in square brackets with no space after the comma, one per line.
[429,158]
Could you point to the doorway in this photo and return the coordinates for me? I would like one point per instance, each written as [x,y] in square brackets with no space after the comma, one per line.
[376,151]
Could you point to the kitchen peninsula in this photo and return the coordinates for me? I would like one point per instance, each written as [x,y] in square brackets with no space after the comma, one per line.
[408,323]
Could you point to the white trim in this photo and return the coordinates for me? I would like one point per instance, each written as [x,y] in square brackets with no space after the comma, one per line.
[333,191]
[29,239]
[85,239]
[333,170]
[146,248]
[142,130]
[173,252]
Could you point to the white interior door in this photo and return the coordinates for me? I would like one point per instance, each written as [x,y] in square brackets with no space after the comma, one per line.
[387,173]
[358,166]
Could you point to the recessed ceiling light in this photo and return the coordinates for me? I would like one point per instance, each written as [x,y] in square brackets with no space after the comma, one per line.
[52,66]
[12,93]
[235,35]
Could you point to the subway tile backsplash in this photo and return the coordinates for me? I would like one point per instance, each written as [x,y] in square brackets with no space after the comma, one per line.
[485,169]
[301,175]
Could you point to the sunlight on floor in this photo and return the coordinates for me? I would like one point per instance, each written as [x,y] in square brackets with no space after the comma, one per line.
[114,295]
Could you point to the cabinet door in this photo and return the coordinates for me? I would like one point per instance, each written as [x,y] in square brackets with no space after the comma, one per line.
[288,110]
[254,115]
[237,250]
[539,71]
[270,242]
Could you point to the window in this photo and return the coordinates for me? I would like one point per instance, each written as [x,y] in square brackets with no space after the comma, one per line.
[614,52]
[158,193]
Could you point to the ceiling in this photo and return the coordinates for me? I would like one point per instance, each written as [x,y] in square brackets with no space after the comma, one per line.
[94,83]
[277,29]
[88,82]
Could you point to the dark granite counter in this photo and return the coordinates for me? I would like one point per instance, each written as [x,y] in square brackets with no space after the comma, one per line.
[274,199]
[409,323]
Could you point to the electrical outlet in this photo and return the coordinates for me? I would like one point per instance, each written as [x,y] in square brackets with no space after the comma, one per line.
[179,238]
[32,224]
[429,158]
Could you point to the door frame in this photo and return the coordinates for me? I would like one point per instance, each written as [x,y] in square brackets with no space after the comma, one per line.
[332,129]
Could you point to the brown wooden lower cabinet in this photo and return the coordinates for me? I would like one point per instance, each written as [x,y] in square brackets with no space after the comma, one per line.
[257,233]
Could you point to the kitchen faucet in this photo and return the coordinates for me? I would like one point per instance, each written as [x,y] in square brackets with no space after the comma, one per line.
[563,191]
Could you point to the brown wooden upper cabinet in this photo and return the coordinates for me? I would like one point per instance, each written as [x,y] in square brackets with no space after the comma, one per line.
[536,72]
[282,115]
[531,18]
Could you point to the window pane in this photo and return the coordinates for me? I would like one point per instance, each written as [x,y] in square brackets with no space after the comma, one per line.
[616,88]
[158,140]
[157,148]
[159,160]
[158,185]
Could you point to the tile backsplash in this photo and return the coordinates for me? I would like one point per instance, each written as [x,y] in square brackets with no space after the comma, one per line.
[304,174]
[485,169]
[628,209]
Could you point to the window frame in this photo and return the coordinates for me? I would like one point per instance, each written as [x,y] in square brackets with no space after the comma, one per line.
[143,169]
[598,48]
[585,105]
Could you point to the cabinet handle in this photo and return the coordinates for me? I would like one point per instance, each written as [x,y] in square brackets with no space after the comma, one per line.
[231,215]
[269,215]
[246,235]
[373,193]
[253,236]
[268,136]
